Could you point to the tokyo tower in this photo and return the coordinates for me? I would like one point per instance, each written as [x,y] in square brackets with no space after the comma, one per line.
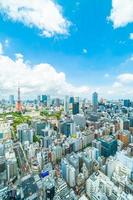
[19,105]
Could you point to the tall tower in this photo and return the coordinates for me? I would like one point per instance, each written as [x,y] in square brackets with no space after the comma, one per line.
[95,100]
[66,104]
[18,105]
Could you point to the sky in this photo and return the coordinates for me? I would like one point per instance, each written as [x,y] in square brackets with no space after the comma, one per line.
[61,47]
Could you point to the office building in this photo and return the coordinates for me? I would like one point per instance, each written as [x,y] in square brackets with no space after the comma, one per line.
[24,133]
[127,103]
[126,124]
[57,102]
[11,99]
[67,127]
[75,108]
[38,99]
[39,126]
[44,99]
[79,121]
[68,172]
[71,100]
[131,121]
[108,146]
[66,104]
[95,101]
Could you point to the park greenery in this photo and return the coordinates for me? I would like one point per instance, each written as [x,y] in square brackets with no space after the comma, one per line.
[46,113]
[17,118]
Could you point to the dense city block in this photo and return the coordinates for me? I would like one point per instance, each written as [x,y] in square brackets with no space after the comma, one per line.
[66,149]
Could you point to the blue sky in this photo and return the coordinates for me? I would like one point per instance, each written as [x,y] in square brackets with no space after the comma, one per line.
[92,50]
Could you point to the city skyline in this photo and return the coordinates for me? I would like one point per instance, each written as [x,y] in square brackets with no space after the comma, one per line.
[72,48]
[66,100]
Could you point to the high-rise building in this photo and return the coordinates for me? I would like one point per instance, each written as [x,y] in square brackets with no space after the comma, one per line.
[2,149]
[126,157]
[11,99]
[67,127]
[131,121]
[92,186]
[76,99]
[95,100]
[11,168]
[48,101]
[38,99]
[24,133]
[3,176]
[126,124]
[46,141]
[108,146]
[39,126]
[68,172]
[44,99]
[127,103]
[66,104]
[80,120]
[75,108]
[71,100]
[57,102]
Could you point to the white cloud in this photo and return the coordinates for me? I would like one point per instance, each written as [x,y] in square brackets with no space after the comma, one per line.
[43,78]
[128,62]
[46,15]
[130,59]
[1,48]
[121,13]
[131,36]
[85,51]
[6,43]
[126,78]
[121,88]
[117,85]
[19,56]
[37,79]
[118,90]
[106,75]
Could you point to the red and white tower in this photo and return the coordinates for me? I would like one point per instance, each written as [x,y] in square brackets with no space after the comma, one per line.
[19,105]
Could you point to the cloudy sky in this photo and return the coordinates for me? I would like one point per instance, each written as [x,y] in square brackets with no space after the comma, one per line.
[62,47]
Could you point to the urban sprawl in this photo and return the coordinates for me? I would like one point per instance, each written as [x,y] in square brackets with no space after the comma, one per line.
[67,148]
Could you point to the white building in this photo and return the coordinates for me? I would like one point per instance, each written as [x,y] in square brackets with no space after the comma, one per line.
[66,104]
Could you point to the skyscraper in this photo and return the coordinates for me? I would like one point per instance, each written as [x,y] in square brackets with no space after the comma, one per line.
[95,100]
[38,99]
[44,99]
[71,100]
[75,108]
[48,100]
[127,103]
[67,127]
[66,104]
[108,146]
[11,99]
